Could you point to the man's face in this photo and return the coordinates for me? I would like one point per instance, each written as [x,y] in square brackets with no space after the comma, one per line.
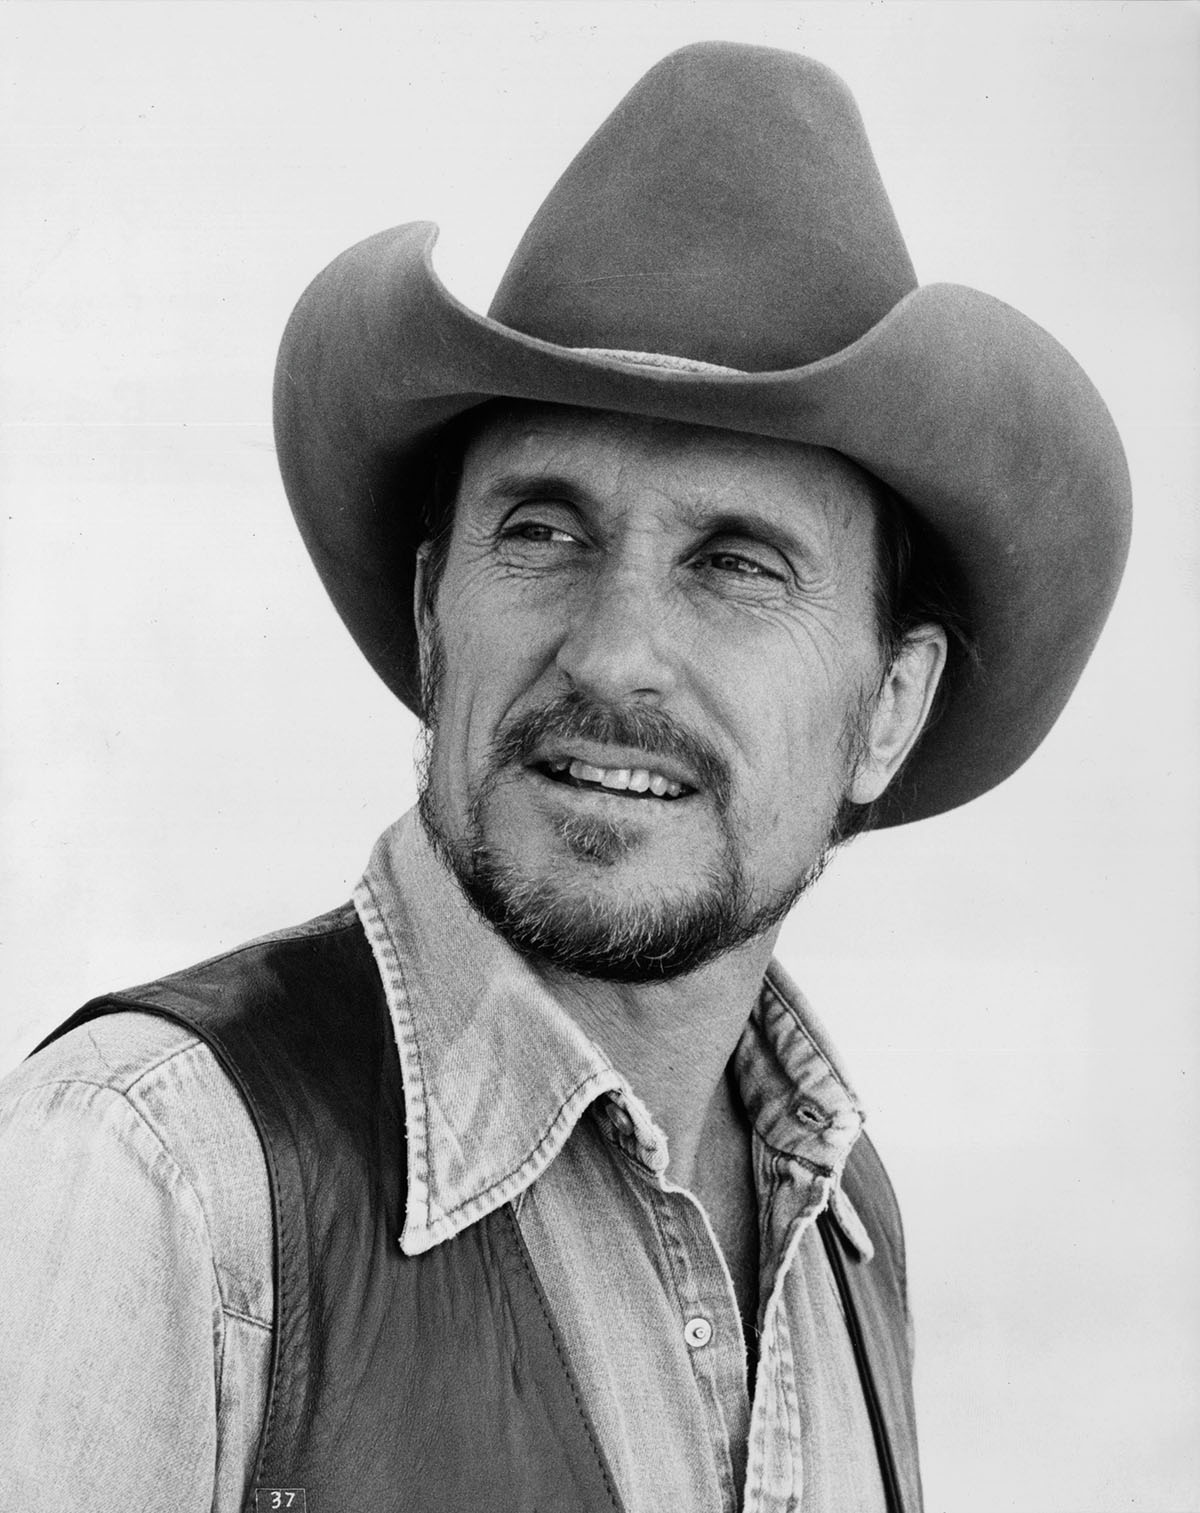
[652,659]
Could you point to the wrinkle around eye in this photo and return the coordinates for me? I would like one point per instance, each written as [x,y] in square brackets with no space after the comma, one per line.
[744,554]
[738,578]
[537,548]
[803,613]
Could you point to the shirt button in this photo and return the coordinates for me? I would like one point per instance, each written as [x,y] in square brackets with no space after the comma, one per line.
[622,1123]
[697,1332]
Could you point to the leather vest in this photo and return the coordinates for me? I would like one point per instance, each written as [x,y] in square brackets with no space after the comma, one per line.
[432,1383]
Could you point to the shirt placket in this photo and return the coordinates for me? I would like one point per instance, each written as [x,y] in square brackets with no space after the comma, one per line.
[706,1306]
[791,1195]
[712,1331]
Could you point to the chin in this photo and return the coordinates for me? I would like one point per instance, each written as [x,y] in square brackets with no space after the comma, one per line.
[599,902]
[616,933]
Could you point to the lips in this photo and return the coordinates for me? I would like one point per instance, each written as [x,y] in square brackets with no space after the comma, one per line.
[640,752]
[635,782]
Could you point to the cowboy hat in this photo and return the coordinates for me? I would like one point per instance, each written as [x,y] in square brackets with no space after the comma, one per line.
[729,215]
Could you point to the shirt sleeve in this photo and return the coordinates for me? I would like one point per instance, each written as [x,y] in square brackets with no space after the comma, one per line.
[110,1313]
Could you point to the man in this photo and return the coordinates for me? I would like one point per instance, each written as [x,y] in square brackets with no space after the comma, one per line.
[528,1180]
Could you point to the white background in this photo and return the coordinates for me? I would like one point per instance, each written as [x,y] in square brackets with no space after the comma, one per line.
[194,752]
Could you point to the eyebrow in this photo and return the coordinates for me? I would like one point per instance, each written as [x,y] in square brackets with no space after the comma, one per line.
[512,488]
[730,522]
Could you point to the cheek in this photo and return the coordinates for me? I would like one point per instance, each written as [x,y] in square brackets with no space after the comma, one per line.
[793,756]
[491,657]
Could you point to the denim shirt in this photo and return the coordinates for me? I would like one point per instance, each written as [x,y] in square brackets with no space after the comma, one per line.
[135,1256]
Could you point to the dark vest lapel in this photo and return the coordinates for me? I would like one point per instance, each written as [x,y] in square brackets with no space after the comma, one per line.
[874,1299]
[435,1382]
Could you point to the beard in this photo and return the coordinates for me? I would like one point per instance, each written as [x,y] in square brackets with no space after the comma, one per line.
[590,934]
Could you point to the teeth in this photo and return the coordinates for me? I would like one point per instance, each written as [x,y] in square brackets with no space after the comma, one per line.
[619,779]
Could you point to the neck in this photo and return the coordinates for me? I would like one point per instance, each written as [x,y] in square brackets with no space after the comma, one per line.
[672,1041]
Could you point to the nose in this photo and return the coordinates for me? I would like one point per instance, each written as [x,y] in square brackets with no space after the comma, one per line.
[617,646]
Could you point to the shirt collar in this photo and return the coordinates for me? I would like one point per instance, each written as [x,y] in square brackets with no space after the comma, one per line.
[497,1074]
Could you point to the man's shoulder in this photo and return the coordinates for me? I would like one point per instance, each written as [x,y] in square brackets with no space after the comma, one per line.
[135,1082]
[137,1101]
[114,1053]
[206,1073]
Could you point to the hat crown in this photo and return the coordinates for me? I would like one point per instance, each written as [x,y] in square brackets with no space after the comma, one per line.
[729,210]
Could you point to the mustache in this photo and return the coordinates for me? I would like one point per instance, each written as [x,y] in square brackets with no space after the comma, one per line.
[577,716]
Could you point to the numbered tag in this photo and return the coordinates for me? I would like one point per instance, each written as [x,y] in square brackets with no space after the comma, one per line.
[280,1500]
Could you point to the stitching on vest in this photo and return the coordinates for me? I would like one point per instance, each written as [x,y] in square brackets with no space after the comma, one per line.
[287,1285]
[523,1256]
[880,1427]
[283,1312]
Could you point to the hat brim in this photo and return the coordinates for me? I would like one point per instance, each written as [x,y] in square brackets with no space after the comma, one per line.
[977,417]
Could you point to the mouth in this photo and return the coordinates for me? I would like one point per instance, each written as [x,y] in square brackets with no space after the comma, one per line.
[628,782]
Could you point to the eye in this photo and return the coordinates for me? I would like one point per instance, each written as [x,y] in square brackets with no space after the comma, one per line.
[734,562]
[538,537]
[751,563]
[536,531]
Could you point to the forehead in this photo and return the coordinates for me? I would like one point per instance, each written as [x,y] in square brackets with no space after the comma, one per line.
[624,458]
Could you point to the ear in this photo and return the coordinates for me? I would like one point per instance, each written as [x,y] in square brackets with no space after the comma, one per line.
[901,708]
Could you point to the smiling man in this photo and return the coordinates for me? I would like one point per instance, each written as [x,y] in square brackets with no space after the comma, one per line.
[528,1180]
[618,599]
